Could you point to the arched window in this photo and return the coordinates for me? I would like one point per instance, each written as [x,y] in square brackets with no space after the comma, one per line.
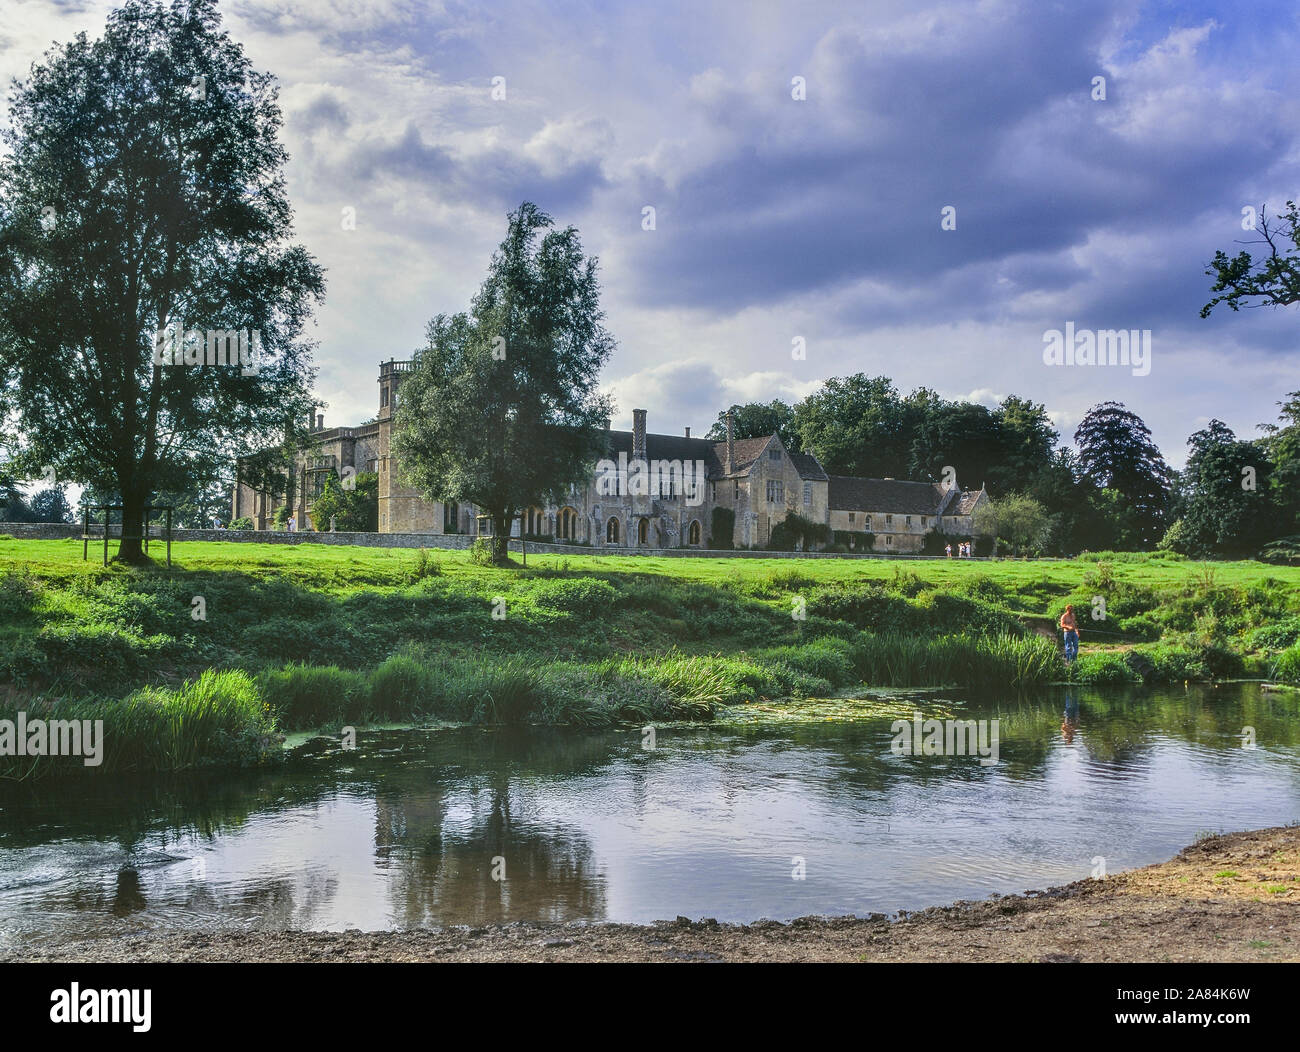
[568,524]
[611,531]
[534,522]
[643,531]
[693,534]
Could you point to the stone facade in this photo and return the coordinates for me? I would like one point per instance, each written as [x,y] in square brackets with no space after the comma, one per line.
[756,478]
[899,513]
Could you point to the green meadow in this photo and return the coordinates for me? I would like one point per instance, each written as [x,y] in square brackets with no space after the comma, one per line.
[239,643]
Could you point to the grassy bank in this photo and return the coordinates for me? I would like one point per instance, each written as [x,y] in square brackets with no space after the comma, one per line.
[327,636]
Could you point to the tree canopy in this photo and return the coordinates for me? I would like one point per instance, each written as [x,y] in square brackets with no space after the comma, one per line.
[143,191]
[501,408]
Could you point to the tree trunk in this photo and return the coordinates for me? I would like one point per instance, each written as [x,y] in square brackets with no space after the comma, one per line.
[501,539]
[131,549]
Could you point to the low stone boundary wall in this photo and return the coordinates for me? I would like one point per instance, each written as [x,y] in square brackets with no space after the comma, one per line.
[453,541]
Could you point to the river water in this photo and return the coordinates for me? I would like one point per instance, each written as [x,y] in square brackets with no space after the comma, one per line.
[476,826]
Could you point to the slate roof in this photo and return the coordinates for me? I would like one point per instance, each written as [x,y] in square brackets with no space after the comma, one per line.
[746,452]
[808,468]
[714,454]
[663,447]
[846,493]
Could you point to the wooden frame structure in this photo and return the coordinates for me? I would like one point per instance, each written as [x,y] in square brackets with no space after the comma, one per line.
[87,511]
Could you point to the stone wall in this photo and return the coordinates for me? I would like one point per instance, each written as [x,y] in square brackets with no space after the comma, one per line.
[59,531]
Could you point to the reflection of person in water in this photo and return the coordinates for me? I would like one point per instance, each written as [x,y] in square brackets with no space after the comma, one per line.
[1070,720]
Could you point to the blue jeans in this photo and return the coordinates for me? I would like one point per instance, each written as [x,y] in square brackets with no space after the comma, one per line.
[1071,644]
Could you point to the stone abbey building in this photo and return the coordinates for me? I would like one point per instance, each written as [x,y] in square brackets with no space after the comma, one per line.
[758,479]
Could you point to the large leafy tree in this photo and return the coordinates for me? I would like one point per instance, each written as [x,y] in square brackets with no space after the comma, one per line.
[756,420]
[142,188]
[501,408]
[1282,443]
[858,426]
[200,505]
[963,436]
[51,505]
[1116,452]
[1225,499]
[1016,518]
[1026,443]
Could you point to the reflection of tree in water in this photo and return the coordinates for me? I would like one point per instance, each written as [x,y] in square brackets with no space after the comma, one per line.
[443,875]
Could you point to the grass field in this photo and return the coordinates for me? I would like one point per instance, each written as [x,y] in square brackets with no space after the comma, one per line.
[328,635]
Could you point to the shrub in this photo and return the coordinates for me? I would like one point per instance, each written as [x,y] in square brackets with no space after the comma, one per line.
[425,566]
[936,543]
[946,613]
[17,594]
[583,597]
[401,688]
[1285,551]
[854,540]
[1142,627]
[1287,667]
[480,552]
[1104,668]
[722,529]
[1279,636]
[242,523]
[797,533]
[307,696]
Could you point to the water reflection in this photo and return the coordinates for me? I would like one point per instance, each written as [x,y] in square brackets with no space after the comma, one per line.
[475,826]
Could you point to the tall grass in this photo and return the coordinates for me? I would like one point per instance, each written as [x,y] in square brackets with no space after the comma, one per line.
[895,660]
[220,719]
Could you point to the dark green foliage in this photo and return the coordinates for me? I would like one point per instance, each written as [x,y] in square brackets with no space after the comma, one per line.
[521,366]
[722,528]
[855,540]
[796,533]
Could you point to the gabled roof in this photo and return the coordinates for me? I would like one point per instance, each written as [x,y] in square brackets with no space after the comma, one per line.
[746,452]
[807,466]
[847,493]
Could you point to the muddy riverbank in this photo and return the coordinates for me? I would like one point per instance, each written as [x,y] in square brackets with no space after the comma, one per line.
[1234,897]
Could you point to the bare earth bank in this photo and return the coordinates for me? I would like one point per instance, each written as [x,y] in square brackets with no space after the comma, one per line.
[1228,898]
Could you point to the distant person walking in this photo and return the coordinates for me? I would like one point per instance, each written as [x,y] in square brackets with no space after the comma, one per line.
[293,521]
[1071,629]
[948,548]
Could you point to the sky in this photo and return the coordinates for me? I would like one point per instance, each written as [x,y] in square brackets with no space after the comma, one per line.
[785,222]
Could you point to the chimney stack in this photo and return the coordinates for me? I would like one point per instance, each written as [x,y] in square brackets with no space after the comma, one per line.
[731,443]
[320,421]
[638,434]
[688,432]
